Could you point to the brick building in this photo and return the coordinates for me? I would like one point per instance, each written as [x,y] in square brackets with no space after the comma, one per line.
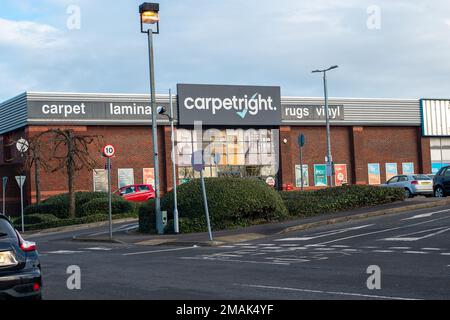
[372,139]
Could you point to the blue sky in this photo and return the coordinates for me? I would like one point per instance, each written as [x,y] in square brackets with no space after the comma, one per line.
[254,42]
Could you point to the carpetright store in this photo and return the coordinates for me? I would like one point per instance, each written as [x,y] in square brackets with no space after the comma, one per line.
[244,131]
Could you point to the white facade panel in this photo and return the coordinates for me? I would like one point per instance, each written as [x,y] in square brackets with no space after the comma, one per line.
[436,118]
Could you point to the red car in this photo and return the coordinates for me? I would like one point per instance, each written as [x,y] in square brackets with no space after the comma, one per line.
[137,192]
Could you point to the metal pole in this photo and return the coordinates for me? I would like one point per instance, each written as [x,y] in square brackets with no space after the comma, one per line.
[301,167]
[205,202]
[4,196]
[21,203]
[159,223]
[175,182]
[108,163]
[327,117]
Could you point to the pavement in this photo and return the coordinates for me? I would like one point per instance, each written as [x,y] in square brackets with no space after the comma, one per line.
[128,233]
[408,251]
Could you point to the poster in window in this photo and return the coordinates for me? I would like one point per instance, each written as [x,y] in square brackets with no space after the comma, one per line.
[408,168]
[391,171]
[100,180]
[320,175]
[374,174]
[298,177]
[341,177]
[126,177]
[149,176]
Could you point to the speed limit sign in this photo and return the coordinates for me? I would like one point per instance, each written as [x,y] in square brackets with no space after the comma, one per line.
[109,151]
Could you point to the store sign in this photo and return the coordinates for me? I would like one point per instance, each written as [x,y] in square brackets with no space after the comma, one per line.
[298,176]
[391,171]
[320,175]
[312,113]
[92,112]
[436,118]
[100,180]
[374,174]
[126,177]
[149,176]
[408,168]
[229,105]
[341,176]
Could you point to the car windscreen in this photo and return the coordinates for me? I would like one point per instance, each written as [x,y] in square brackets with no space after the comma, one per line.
[6,230]
[422,178]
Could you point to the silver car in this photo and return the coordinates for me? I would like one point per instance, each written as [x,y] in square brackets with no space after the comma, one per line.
[414,184]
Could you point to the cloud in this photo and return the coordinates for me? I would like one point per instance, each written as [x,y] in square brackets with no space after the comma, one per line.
[29,34]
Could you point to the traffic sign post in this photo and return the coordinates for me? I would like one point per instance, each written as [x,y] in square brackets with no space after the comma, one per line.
[301,144]
[21,181]
[198,163]
[5,181]
[108,152]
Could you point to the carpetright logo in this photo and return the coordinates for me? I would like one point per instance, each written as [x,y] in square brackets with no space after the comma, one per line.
[242,106]
[229,105]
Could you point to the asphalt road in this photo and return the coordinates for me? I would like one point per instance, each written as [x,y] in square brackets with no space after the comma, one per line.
[412,251]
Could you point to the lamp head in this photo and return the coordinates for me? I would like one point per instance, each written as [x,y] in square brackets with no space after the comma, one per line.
[161,110]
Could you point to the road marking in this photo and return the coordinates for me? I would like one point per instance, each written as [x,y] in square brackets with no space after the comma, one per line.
[339,246]
[157,251]
[406,238]
[237,261]
[383,251]
[325,292]
[400,248]
[432,249]
[382,231]
[98,249]
[326,234]
[416,252]
[445,254]
[369,247]
[227,247]
[425,215]
[325,249]
[64,252]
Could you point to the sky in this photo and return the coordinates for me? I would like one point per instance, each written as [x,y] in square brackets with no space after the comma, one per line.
[384,48]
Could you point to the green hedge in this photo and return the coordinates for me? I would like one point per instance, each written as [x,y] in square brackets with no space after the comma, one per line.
[147,217]
[233,202]
[59,205]
[35,219]
[308,203]
[101,206]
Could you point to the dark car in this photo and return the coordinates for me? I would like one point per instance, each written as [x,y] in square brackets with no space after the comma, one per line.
[441,183]
[20,269]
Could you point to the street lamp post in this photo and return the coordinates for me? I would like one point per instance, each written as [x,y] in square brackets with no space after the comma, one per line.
[149,13]
[327,117]
[163,111]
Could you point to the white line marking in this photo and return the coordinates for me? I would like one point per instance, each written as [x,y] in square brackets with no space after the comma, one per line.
[405,237]
[64,252]
[425,215]
[325,292]
[325,249]
[339,246]
[369,247]
[157,251]
[445,254]
[383,251]
[97,249]
[326,234]
[227,247]
[400,248]
[238,261]
[382,231]
[416,252]
[432,249]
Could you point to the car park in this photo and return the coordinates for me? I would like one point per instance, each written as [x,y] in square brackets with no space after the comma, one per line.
[441,183]
[20,268]
[413,184]
[137,193]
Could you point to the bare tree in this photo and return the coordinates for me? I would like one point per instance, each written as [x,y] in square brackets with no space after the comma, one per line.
[71,152]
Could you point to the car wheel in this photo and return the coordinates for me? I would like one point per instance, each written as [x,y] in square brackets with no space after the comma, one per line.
[439,192]
[408,194]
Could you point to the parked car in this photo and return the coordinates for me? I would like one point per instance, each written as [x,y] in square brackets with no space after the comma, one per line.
[414,184]
[20,268]
[441,183]
[137,193]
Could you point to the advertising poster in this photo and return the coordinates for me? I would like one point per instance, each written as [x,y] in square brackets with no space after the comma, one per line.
[298,177]
[408,168]
[436,166]
[374,174]
[100,180]
[126,177]
[341,176]
[320,175]
[149,176]
[391,171]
